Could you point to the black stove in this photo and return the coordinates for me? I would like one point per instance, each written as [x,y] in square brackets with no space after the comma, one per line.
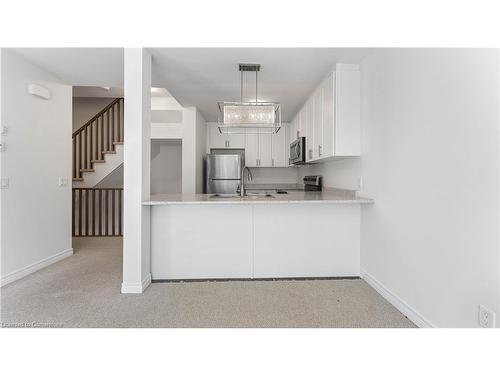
[312,183]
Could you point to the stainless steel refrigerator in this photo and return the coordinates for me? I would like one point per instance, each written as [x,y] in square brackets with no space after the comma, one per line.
[223,173]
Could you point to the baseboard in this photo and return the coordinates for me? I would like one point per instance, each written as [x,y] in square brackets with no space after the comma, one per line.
[397,302]
[22,272]
[135,288]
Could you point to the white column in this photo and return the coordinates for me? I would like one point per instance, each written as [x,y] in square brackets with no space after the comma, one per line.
[136,177]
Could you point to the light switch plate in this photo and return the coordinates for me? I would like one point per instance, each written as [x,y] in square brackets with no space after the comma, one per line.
[4,183]
[486,317]
[3,147]
[4,130]
[63,181]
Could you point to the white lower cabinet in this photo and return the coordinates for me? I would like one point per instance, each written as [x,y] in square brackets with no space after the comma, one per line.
[327,243]
[198,241]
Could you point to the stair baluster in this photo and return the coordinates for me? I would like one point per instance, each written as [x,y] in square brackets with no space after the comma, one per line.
[97,137]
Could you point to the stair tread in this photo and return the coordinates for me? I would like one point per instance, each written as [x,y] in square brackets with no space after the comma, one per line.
[87,170]
[77,178]
[98,161]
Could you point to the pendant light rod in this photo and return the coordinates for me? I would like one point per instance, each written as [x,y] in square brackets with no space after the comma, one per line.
[256,85]
[249,68]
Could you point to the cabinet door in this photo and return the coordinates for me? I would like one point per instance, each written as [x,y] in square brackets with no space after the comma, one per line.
[302,122]
[347,110]
[318,123]
[328,116]
[309,129]
[278,148]
[251,150]
[217,140]
[292,129]
[236,141]
[265,150]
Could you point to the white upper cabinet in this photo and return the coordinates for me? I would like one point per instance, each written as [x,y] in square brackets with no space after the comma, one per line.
[317,126]
[279,147]
[302,123]
[328,89]
[292,130]
[236,140]
[330,119]
[218,140]
[215,138]
[261,150]
[309,128]
[265,150]
[252,150]
[347,139]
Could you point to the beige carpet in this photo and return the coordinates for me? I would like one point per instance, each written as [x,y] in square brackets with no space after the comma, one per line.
[84,291]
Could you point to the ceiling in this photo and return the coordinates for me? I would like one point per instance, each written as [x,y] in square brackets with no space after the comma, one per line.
[97,92]
[79,66]
[112,92]
[202,76]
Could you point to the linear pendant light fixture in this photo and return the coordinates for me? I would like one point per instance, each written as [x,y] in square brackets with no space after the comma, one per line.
[249,117]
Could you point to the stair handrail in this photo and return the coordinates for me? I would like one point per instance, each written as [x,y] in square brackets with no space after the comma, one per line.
[102,111]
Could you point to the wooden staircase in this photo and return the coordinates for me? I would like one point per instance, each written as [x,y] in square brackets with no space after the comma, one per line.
[97,138]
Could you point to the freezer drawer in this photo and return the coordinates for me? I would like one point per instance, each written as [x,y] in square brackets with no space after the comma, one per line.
[222,186]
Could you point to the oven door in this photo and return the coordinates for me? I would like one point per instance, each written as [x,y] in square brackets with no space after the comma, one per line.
[297,151]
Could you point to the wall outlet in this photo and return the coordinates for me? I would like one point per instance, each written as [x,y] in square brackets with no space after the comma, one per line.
[4,130]
[4,183]
[486,317]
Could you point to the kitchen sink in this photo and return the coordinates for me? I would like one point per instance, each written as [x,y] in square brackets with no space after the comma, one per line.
[259,195]
[224,196]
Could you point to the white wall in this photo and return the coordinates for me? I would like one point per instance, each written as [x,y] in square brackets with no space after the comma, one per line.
[166,166]
[430,160]
[194,135]
[201,141]
[342,173]
[86,108]
[288,175]
[35,212]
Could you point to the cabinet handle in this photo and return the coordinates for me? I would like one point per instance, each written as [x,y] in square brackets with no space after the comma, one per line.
[319,150]
[298,133]
[228,143]
[257,162]
[272,162]
[310,153]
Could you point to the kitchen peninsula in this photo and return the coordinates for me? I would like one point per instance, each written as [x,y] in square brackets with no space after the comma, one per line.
[298,234]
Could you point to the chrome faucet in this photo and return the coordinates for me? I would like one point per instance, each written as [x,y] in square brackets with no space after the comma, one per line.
[242,184]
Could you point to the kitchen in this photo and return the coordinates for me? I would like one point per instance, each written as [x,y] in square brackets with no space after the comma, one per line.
[244,229]
[358,128]
[311,166]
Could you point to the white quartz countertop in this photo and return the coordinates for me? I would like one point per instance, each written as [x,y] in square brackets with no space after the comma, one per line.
[295,196]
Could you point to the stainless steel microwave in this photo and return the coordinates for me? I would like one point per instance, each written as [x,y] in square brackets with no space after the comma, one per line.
[298,151]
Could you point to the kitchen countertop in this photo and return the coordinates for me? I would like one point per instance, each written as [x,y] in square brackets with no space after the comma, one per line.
[294,196]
